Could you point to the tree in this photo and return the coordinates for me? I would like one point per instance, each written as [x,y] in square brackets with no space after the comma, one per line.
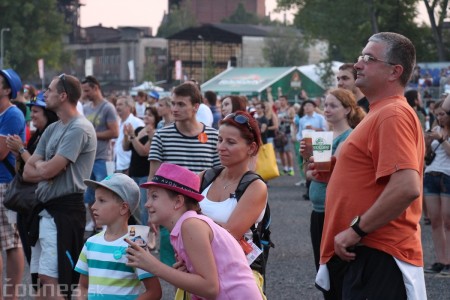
[347,26]
[178,19]
[285,47]
[241,16]
[438,9]
[36,31]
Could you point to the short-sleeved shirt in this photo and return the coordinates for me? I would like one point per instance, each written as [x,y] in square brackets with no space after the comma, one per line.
[387,140]
[104,263]
[316,120]
[12,122]
[100,116]
[192,152]
[77,142]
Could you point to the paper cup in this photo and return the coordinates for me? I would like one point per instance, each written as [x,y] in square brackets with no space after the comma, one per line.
[322,142]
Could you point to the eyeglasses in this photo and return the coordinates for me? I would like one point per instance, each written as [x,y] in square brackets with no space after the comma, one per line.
[240,119]
[366,58]
[62,77]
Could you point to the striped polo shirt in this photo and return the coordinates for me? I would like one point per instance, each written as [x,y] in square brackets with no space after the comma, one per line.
[196,153]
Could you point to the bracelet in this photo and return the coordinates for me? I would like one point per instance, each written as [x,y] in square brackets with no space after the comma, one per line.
[22,150]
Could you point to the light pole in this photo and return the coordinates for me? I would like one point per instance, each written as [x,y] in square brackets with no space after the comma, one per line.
[203,58]
[1,47]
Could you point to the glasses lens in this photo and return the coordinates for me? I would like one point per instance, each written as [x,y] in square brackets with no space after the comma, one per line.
[241,119]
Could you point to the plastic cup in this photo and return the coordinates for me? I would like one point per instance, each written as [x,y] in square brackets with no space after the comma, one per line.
[307,138]
[322,142]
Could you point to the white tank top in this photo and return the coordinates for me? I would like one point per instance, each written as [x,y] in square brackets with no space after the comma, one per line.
[221,211]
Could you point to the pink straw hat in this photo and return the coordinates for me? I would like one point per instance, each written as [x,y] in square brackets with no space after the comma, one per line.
[178,179]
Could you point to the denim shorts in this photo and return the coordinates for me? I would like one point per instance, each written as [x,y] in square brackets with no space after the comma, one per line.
[436,183]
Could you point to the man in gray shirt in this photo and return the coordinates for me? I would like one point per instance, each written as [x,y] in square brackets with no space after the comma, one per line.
[63,158]
[102,115]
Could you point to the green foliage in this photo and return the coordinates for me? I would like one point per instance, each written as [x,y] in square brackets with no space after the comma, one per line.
[178,19]
[285,47]
[347,25]
[241,16]
[37,31]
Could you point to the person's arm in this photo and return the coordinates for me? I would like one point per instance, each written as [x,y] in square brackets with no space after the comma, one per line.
[152,289]
[402,189]
[248,209]
[37,170]
[14,144]
[263,127]
[3,149]
[197,237]
[154,166]
[82,287]
[111,133]
[142,149]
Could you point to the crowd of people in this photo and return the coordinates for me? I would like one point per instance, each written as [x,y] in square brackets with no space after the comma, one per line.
[174,164]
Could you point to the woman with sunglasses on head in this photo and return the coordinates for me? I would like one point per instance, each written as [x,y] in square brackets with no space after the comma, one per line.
[436,190]
[239,141]
[41,118]
[343,114]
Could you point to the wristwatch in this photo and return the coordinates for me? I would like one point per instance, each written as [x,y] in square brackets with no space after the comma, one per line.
[355,226]
[22,150]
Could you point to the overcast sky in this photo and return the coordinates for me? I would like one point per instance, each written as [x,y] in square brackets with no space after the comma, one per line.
[113,13]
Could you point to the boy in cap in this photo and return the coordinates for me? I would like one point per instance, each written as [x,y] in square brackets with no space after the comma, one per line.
[102,260]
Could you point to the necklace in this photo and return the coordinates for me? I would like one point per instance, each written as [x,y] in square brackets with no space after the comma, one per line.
[227,185]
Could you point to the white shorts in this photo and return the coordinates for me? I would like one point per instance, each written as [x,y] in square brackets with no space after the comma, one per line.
[44,255]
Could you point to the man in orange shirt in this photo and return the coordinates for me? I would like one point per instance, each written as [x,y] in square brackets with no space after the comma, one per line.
[371,244]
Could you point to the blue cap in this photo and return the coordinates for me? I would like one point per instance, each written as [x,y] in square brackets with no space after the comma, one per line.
[14,81]
[38,100]
[154,94]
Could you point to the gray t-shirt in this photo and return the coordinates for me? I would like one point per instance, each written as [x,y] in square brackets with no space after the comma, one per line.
[100,116]
[76,141]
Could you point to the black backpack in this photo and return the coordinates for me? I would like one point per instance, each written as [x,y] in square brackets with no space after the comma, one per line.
[261,234]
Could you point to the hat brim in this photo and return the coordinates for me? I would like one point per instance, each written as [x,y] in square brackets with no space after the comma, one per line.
[196,196]
[37,103]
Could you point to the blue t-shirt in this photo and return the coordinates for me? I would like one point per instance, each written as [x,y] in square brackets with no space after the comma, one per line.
[12,121]
[318,190]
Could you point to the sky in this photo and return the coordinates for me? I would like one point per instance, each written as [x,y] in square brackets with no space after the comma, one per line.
[149,13]
[113,13]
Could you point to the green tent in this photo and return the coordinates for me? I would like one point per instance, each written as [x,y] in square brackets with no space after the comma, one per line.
[255,81]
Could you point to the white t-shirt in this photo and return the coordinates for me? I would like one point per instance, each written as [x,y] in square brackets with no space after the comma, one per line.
[140,110]
[205,115]
[123,157]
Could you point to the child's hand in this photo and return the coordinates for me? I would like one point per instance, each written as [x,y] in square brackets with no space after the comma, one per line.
[140,258]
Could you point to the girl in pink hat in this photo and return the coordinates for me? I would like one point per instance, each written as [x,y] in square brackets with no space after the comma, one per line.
[216,265]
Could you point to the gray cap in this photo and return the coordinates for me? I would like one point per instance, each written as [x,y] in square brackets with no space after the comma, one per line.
[120,184]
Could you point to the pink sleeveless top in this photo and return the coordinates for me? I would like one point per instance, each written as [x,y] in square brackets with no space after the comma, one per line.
[236,279]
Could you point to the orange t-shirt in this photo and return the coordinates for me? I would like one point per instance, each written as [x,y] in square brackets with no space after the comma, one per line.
[389,139]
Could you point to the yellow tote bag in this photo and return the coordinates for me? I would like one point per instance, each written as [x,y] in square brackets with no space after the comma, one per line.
[266,163]
[182,295]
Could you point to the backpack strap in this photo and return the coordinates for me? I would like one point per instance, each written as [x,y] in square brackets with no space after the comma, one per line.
[245,181]
[8,165]
[209,176]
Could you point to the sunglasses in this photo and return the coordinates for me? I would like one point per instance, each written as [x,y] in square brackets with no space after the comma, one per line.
[240,119]
[366,58]
[62,77]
